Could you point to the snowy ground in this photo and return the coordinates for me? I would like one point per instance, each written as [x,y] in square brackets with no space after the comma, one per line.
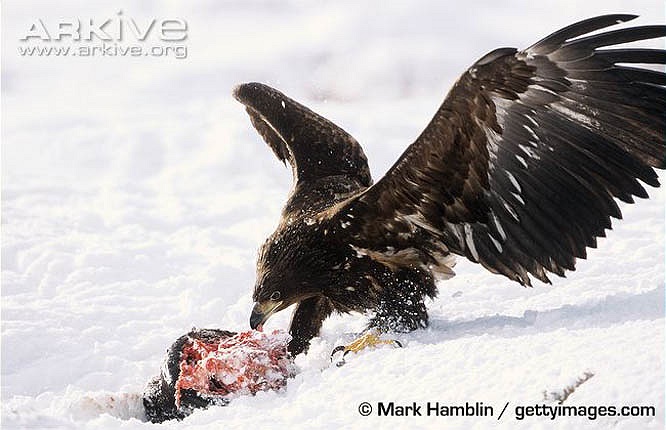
[135,193]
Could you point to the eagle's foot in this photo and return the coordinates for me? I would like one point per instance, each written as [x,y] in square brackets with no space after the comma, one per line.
[367,339]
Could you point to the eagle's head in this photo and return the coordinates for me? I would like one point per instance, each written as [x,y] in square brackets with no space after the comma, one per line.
[293,264]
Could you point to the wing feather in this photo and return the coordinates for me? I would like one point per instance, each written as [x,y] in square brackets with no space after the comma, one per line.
[520,168]
[314,146]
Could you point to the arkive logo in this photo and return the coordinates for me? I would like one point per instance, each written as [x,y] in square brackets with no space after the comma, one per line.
[117,36]
[118,28]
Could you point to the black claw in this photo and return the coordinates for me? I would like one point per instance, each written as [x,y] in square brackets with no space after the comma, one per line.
[347,351]
[337,349]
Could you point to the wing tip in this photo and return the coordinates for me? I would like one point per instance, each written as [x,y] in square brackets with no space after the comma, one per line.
[624,17]
[585,26]
[249,92]
[618,17]
[238,91]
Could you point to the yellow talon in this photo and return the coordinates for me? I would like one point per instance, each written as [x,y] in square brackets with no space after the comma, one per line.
[369,338]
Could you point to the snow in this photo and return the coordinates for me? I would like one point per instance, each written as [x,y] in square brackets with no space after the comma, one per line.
[135,194]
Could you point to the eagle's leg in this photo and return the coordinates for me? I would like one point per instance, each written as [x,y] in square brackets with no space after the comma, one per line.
[306,322]
[401,308]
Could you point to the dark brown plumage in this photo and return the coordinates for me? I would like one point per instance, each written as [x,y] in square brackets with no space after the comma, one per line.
[518,170]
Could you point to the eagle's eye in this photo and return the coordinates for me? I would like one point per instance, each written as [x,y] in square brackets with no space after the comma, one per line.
[275,295]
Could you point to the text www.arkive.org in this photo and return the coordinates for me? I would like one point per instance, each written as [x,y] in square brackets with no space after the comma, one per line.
[104,50]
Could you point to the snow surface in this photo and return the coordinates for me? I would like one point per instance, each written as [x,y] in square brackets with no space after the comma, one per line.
[135,194]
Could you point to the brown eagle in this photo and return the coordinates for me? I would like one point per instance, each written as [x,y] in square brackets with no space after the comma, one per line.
[518,170]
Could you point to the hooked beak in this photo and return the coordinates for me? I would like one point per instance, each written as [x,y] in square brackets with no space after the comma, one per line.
[261,312]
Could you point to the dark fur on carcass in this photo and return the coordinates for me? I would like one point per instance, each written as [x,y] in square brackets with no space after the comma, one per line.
[159,398]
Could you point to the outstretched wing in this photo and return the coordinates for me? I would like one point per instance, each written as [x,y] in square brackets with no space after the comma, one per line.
[519,168]
[314,146]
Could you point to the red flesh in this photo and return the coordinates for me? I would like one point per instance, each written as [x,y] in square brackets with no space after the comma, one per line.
[242,364]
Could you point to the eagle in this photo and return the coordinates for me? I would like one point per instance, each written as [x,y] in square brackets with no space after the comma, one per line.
[519,170]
